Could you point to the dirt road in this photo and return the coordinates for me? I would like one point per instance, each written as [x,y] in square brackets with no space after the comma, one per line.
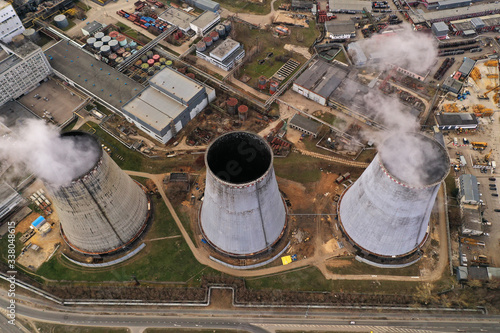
[251,18]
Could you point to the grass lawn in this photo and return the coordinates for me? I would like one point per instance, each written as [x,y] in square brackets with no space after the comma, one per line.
[299,168]
[71,24]
[70,126]
[245,6]
[360,268]
[341,57]
[132,32]
[54,328]
[133,160]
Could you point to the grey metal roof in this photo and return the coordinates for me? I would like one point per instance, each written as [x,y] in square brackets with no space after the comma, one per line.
[444,15]
[307,124]
[93,27]
[175,83]
[469,189]
[206,4]
[471,218]
[357,54]
[452,85]
[224,48]
[322,78]
[440,26]
[177,17]
[454,119]
[340,27]
[477,22]
[93,75]
[205,19]
[357,5]
[493,272]
[477,273]
[9,62]
[454,2]
[467,66]
[13,113]
[462,273]
[24,49]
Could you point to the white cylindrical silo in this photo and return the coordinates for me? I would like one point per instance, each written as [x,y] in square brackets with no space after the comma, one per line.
[243,213]
[386,212]
[102,210]
[61,21]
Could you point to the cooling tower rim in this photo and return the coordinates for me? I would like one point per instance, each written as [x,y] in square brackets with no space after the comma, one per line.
[246,184]
[405,183]
[356,244]
[94,142]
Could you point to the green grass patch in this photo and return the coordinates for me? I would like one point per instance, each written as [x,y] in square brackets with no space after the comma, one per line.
[102,109]
[342,57]
[186,222]
[4,246]
[245,6]
[55,328]
[125,29]
[44,39]
[299,168]
[70,126]
[367,155]
[70,25]
[360,268]
[82,6]
[309,279]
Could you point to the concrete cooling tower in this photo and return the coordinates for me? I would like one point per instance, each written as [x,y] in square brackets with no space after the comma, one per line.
[386,212]
[243,213]
[103,209]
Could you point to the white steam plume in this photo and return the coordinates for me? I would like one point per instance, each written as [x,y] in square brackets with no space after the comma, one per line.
[408,49]
[55,159]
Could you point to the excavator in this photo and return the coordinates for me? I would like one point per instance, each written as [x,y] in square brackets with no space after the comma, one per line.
[487,157]
[485,95]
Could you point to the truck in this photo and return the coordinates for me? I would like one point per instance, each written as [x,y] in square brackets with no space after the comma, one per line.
[476,145]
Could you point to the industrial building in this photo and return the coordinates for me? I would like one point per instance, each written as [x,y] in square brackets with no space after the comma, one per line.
[93,76]
[319,81]
[91,28]
[476,25]
[22,67]
[204,4]
[471,220]
[9,200]
[205,22]
[243,213]
[349,6]
[419,17]
[223,53]
[450,84]
[468,189]
[454,121]
[177,17]
[450,4]
[467,66]
[102,210]
[302,5]
[340,29]
[305,125]
[385,213]
[440,30]
[168,104]
[10,24]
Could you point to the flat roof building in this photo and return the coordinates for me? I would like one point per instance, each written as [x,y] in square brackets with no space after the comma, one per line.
[223,53]
[302,5]
[450,84]
[319,81]
[91,28]
[305,125]
[204,4]
[22,67]
[10,24]
[453,121]
[469,189]
[9,200]
[177,17]
[440,29]
[349,6]
[477,24]
[467,66]
[419,17]
[205,22]
[96,78]
[471,220]
[340,29]
[168,104]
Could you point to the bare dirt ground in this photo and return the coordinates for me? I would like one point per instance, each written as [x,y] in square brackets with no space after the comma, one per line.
[299,49]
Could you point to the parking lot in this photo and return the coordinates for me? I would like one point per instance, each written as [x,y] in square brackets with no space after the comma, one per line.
[54,98]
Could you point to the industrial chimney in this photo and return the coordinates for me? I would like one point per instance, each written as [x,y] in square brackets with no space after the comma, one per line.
[103,209]
[243,213]
[386,212]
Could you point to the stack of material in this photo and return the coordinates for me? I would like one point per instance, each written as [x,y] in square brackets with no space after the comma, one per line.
[475,74]
[450,108]
[491,63]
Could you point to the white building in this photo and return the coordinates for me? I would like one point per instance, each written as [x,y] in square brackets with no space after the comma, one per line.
[203,23]
[10,24]
[22,66]
[223,53]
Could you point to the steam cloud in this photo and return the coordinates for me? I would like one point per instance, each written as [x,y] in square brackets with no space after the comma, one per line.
[408,157]
[57,160]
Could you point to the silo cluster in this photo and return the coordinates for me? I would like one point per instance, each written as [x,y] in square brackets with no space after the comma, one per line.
[113,46]
[102,210]
[262,82]
[243,214]
[386,212]
[243,112]
[231,105]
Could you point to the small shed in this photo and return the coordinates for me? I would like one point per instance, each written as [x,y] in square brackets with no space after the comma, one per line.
[91,28]
[38,223]
[305,125]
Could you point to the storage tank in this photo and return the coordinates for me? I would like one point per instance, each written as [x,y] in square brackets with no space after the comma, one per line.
[150,54]
[102,210]
[105,50]
[144,58]
[145,67]
[262,82]
[191,76]
[385,213]
[208,41]
[151,62]
[169,63]
[138,63]
[112,56]
[227,26]
[126,54]
[221,30]
[201,46]
[113,44]
[106,39]
[243,213]
[120,51]
[243,112]
[138,47]
[113,34]
[31,34]
[99,35]
[156,58]
[122,40]
[214,35]
[132,44]
[119,60]
[163,61]
[61,21]
[98,45]
[231,105]
[151,71]
[91,41]
[273,86]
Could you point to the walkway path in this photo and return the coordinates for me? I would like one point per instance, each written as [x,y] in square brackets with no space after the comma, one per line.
[333,159]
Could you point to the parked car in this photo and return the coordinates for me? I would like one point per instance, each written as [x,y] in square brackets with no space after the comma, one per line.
[492,179]
[496,210]
[494,194]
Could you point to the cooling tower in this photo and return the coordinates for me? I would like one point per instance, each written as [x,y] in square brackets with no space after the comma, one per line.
[386,212]
[103,209]
[243,213]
